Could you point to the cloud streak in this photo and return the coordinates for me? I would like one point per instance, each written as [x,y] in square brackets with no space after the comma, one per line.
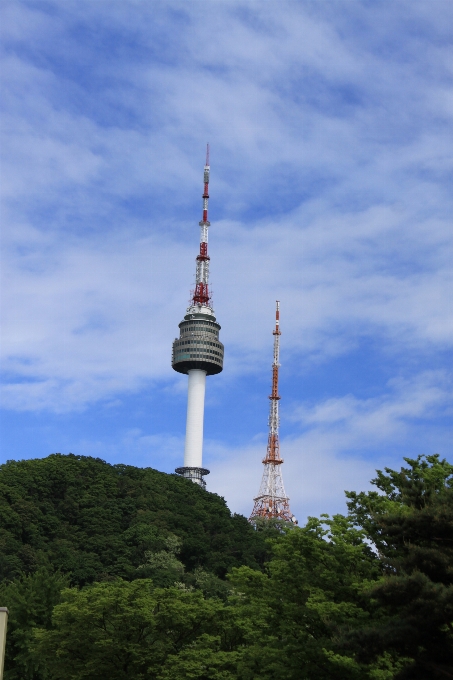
[331,163]
[343,441]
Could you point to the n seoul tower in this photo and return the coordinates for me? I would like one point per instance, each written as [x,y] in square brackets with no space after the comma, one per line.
[198,351]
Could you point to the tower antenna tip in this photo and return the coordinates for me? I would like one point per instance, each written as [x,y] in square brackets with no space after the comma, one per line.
[207,153]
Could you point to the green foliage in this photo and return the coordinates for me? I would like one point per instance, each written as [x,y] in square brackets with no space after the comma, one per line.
[30,601]
[121,630]
[312,587]
[363,597]
[97,521]
[163,566]
[412,528]
[209,584]
[203,660]
[427,480]
[271,527]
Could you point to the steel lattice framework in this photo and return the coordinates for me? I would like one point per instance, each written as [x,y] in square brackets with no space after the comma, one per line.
[201,294]
[272,501]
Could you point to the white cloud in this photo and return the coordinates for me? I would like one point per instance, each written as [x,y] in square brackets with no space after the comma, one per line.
[84,321]
[360,422]
[344,440]
[344,143]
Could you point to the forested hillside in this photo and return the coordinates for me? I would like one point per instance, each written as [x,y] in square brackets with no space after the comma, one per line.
[96,521]
[115,573]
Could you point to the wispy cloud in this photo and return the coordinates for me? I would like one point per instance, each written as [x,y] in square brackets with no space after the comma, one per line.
[83,321]
[330,128]
[343,441]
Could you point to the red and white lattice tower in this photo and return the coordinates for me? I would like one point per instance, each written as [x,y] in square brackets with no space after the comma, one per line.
[198,351]
[272,501]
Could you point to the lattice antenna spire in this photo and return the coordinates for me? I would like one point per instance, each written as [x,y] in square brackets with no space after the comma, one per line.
[272,501]
[273,445]
[201,295]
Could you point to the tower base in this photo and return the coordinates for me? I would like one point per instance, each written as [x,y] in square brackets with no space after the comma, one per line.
[270,507]
[193,473]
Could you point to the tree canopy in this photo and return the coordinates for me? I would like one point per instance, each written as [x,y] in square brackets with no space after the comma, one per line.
[95,521]
[411,525]
[363,596]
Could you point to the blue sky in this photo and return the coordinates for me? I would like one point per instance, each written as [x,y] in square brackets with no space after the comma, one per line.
[330,132]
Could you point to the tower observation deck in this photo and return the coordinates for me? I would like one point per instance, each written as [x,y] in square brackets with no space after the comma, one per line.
[198,351]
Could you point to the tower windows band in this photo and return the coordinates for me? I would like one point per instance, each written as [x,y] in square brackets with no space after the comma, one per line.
[198,351]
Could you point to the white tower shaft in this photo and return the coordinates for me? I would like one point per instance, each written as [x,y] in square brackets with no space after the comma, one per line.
[198,351]
[193,452]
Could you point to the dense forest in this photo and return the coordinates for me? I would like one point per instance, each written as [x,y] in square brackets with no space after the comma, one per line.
[112,572]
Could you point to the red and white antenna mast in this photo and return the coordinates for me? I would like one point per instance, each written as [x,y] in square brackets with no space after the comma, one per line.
[201,294]
[272,501]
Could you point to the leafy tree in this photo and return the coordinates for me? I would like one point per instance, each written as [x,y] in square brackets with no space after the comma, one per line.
[368,596]
[203,660]
[411,525]
[292,613]
[163,566]
[30,600]
[209,584]
[97,521]
[122,630]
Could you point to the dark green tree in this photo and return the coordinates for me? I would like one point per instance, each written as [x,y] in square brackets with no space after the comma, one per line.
[292,613]
[96,521]
[30,601]
[368,596]
[411,524]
